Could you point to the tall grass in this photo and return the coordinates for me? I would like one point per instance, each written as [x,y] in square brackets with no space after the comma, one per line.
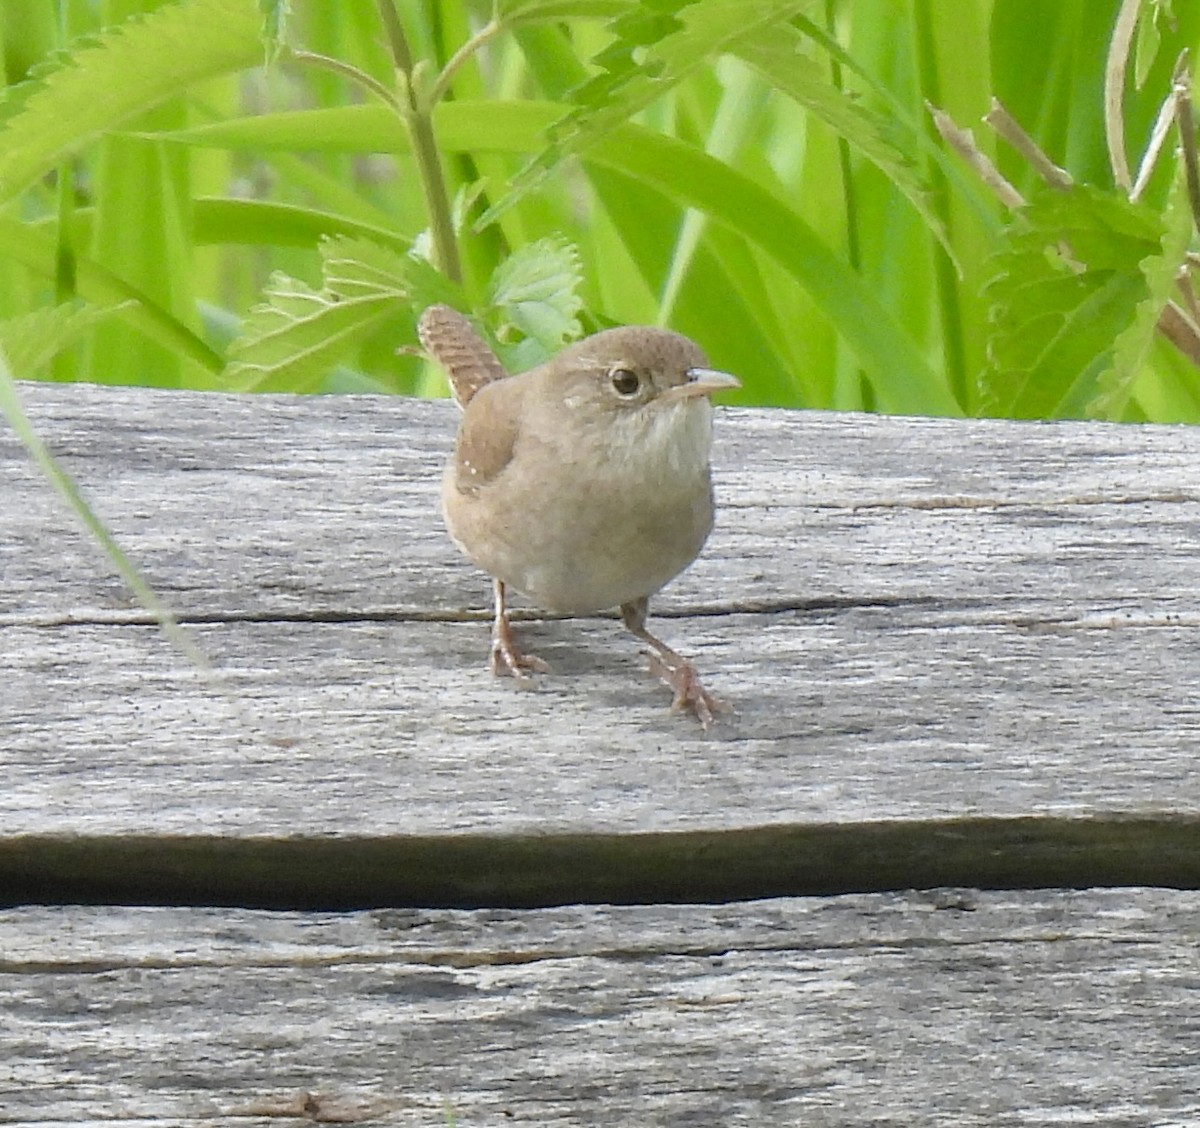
[220,194]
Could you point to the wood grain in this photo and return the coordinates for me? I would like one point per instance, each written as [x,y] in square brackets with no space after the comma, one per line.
[916,620]
[953,1008]
[961,653]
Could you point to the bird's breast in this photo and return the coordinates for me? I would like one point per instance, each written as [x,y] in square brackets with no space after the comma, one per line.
[593,517]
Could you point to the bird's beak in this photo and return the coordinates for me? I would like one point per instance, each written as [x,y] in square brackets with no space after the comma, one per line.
[700,382]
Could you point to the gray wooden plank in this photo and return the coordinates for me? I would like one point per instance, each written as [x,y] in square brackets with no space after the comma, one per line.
[375,727]
[258,505]
[394,728]
[906,1009]
[915,619]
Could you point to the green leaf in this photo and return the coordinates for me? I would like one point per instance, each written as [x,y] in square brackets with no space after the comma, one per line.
[514,13]
[32,340]
[223,220]
[656,47]
[778,55]
[126,71]
[1068,285]
[364,128]
[536,289]
[291,341]
[1160,272]
[275,16]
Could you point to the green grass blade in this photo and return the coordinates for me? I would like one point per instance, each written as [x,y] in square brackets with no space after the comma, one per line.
[65,485]
[903,378]
[35,249]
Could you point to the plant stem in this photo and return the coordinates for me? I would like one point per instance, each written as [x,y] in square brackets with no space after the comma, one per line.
[950,305]
[1009,128]
[416,108]
[1182,88]
[1114,90]
[349,71]
[488,32]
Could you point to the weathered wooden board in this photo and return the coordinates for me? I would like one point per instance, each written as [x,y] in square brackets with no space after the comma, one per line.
[915,619]
[960,652]
[258,506]
[987,1010]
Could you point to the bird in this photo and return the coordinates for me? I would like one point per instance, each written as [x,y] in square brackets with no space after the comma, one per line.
[583,483]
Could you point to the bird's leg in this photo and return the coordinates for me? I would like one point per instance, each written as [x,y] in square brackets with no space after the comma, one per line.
[506,658]
[672,669]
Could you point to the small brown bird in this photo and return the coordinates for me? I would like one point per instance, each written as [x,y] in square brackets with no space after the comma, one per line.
[583,483]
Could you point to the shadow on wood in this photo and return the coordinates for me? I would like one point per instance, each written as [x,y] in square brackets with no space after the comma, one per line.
[528,871]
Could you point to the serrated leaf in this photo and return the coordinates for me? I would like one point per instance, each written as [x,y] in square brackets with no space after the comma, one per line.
[1160,272]
[32,340]
[290,341]
[654,48]
[1067,286]
[122,73]
[536,289]
[904,379]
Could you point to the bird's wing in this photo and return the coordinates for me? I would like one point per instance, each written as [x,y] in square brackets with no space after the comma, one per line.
[452,341]
[487,438]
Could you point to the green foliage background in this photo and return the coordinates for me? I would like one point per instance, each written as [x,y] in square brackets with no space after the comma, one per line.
[257,195]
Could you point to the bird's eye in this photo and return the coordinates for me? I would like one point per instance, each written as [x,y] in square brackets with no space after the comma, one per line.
[624,382]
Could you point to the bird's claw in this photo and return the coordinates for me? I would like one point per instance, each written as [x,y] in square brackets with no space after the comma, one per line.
[508,661]
[684,682]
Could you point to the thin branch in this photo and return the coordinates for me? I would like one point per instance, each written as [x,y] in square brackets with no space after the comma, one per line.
[347,71]
[483,36]
[1183,283]
[1114,91]
[397,40]
[415,106]
[1181,331]
[1182,89]
[1158,137]
[963,142]
[1008,128]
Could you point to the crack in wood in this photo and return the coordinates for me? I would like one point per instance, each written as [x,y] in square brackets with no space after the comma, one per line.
[138,618]
[666,867]
[954,502]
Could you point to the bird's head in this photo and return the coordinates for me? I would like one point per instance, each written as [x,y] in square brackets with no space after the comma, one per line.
[623,370]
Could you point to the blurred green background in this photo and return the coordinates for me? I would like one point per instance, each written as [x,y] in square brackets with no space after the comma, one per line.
[255,195]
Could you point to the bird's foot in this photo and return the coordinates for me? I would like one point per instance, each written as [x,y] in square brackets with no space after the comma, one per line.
[507,658]
[508,661]
[681,677]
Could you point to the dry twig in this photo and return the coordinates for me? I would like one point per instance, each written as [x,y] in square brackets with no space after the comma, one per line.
[1114,91]
[1007,127]
[962,141]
